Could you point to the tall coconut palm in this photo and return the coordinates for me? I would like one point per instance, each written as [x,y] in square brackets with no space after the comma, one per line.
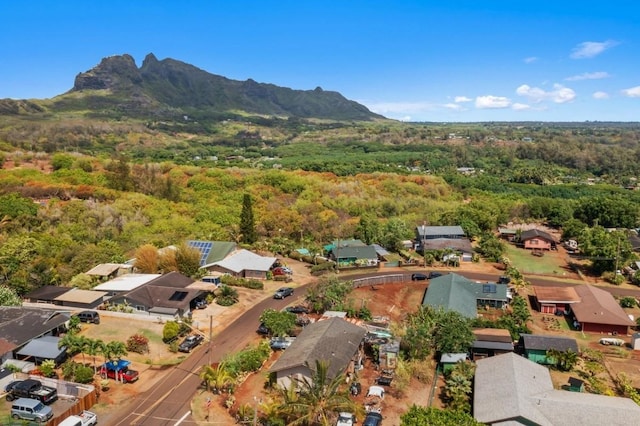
[93,347]
[319,398]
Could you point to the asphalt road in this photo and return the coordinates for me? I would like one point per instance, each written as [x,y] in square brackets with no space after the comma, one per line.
[168,403]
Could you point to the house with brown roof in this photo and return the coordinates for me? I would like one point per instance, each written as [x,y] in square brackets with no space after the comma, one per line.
[550,300]
[511,390]
[490,342]
[599,312]
[332,340]
[536,239]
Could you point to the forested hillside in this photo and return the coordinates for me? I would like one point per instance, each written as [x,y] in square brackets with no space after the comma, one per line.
[81,187]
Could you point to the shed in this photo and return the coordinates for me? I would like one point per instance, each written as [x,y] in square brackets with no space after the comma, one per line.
[575,385]
[449,360]
[635,341]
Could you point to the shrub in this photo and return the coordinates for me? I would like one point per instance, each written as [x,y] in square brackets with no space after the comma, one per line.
[138,344]
[628,302]
[170,331]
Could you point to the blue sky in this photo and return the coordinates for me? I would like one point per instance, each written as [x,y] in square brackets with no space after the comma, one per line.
[407,60]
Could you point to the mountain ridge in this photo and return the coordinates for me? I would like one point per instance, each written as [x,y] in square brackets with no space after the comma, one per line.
[160,86]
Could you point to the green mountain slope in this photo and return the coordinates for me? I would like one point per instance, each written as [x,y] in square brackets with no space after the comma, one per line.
[170,88]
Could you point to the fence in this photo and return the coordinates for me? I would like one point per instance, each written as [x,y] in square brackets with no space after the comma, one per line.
[383,279]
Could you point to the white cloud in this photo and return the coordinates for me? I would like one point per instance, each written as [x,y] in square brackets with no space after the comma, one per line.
[520,107]
[454,107]
[530,60]
[459,99]
[600,95]
[559,94]
[589,76]
[589,49]
[632,92]
[396,108]
[489,101]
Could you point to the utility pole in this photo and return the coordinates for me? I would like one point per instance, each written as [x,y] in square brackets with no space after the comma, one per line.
[210,336]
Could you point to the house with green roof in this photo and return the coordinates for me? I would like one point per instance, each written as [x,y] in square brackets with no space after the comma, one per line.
[212,251]
[454,292]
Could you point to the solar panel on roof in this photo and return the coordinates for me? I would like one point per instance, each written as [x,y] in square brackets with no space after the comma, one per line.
[489,288]
[178,296]
[204,247]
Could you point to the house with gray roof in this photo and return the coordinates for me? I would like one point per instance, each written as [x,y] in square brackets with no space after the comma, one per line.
[19,325]
[354,255]
[166,295]
[535,347]
[511,390]
[244,263]
[453,292]
[212,251]
[332,340]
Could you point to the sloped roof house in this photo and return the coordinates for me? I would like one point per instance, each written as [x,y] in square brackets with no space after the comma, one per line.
[511,390]
[332,340]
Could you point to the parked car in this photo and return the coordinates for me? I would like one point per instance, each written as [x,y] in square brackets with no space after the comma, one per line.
[346,419]
[263,329]
[85,418]
[279,343]
[281,270]
[33,389]
[503,279]
[372,419]
[89,316]
[434,274]
[31,409]
[283,292]
[297,309]
[418,277]
[124,373]
[201,304]
[190,342]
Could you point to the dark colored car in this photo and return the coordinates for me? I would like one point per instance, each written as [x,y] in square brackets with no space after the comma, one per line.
[372,419]
[504,279]
[201,304]
[419,277]
[283,292]
[190,342]
[263,329]
[434,274]
[297,309]
[89,316]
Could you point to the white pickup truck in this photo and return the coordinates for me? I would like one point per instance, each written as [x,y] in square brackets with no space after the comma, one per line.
[86,418]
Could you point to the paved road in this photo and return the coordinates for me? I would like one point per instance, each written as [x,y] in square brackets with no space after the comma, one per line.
[169,401]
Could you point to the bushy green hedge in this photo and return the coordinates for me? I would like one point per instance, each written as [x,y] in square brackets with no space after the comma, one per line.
[242,282]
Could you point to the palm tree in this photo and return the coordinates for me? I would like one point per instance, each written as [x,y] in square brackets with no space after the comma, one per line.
[319,398]
[218,378]
[72,342]
[115,350]
[93,347]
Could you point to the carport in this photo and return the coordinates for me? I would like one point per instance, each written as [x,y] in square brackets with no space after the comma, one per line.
[41,349]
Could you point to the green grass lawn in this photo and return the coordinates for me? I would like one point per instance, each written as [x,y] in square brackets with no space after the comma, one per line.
[549,264]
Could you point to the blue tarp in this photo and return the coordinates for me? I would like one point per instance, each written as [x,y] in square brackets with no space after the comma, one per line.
[116,365]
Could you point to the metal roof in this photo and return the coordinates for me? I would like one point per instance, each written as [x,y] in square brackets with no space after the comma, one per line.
[126,282]
[245,260]
[46,347]
[598,306]
[81,296]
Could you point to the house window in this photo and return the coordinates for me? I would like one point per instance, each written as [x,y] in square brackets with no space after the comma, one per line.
[140,308]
